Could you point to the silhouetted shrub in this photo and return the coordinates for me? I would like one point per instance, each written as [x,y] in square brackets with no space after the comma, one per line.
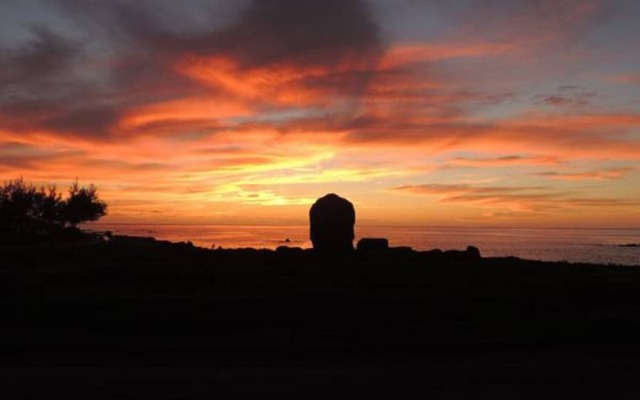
[82,205]
[25,209]
[28,210]
[373,244]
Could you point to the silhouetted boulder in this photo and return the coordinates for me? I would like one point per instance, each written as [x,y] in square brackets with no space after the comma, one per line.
[289,251]
[373,244]
[332,219]
[473,252]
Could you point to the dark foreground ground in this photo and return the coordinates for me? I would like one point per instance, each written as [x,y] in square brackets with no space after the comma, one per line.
[144,319]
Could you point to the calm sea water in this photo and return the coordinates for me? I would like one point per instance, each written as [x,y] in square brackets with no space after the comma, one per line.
[574,245]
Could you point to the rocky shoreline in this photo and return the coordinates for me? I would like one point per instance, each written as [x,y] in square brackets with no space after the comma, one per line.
[415,322]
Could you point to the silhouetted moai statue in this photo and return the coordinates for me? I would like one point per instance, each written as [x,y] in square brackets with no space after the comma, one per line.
[332,219]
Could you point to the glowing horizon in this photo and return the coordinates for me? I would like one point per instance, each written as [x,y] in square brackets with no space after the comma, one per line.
[486,113]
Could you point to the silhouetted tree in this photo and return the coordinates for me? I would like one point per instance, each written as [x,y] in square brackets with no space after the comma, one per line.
[48,206]
[83,205]
[25,209]
[17,206]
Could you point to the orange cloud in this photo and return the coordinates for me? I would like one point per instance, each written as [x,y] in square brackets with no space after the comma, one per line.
[183,111]
[528,199]
[274,106]
[626,79]
[408,54]
[504,161]
[565,137]
[607,174]
[282,83]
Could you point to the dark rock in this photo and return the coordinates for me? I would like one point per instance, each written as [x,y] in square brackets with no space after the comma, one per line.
[332,219]
[473,252]
[470,254]
[373,244]
[454,254]
[286,250]
[282,249]
[433,253]
[402,248]
[398,253]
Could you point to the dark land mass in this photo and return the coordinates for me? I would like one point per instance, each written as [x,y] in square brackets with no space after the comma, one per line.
[138,318]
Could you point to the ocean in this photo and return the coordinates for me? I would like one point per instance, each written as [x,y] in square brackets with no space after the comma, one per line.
[600,246]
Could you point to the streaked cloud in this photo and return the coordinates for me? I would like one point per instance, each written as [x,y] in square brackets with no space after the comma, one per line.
[615,173]
[528,199]
[241,109]
[632,79]
[503,161]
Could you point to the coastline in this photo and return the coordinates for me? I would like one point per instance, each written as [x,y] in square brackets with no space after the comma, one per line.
[103,237]
[580,246]
[233,317]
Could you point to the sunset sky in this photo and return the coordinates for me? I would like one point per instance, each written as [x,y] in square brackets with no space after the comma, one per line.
[421,112]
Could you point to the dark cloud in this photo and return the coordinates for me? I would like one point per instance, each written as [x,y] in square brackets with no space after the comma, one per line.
[21,155]
[42,89]
[306,31]
[562,22]
[17,155]
[84,121]
[293,33]
[37,68]
[89,119]
[567,96]
[45,55]
[267,31]
[127,56]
